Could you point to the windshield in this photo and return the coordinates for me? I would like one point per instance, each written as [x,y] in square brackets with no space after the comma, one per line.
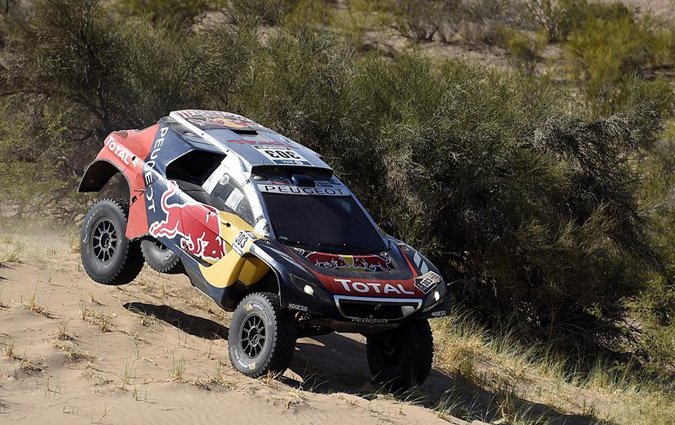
[322,223]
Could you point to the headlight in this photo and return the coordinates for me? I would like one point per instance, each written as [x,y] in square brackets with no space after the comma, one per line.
[436,296]
[310,288]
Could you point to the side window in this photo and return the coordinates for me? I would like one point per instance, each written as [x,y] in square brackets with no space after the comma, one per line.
[232,195]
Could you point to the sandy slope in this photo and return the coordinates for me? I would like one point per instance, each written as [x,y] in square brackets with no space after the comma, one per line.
[155,351]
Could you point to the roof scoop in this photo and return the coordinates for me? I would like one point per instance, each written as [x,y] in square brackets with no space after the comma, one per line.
[302,180]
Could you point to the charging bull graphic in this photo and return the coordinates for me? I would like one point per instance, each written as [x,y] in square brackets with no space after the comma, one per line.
[368,263]
[197,224]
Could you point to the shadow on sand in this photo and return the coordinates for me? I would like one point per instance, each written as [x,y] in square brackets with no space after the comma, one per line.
[337,363]
[193,325]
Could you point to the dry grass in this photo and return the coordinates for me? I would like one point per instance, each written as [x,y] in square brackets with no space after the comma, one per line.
[76,356]
[33,305]
[28,366]
[62,331]
[10,351]
[178,369]
[216,382]
[11,251]
[103,320]
[519,379]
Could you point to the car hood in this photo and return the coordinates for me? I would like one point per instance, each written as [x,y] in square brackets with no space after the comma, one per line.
[386,274]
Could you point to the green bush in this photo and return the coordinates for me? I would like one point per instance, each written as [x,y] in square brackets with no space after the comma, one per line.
[525,49]
[533,212]
[98,72]
[561,17]
[655,307]
[605,55]
[175,13]
[267,12]
[294,83]
[477,21]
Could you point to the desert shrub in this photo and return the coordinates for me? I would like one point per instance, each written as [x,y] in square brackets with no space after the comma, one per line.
[421,20]
[99,72]
[605,55]
[175,13]
[477,21]
[532,211]
[266,12]
[484,21]
[525,49]
[294,83]
[539,217]
[309,12]
[34,174]
[561,17]
[655,307]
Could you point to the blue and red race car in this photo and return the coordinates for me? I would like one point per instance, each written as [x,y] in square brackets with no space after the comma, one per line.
[261,224]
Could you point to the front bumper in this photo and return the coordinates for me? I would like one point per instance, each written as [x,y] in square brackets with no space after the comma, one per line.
[309,297]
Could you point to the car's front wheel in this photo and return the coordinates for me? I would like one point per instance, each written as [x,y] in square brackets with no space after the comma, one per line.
[107,256]
[262,335]
[401,358]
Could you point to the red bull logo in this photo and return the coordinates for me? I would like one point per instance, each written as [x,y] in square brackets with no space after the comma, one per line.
[369,263]
[197,225]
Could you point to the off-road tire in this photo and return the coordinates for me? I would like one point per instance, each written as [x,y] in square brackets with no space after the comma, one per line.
[160,258]
[107,255]
[280,333]
[401,358]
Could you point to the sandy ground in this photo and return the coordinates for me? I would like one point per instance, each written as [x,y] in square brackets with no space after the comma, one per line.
[155,351]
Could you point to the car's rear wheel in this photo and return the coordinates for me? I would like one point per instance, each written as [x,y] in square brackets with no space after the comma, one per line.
[401,358]
[161,258]
[262,335]
[107,256]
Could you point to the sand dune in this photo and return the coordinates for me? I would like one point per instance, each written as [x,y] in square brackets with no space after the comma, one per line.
[155,351]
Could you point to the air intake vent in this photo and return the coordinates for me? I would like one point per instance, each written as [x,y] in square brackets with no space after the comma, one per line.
[243,130]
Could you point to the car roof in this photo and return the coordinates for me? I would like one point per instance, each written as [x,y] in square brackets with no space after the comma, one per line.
[253,143]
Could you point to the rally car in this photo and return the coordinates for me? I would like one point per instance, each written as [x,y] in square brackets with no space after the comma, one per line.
[263,226]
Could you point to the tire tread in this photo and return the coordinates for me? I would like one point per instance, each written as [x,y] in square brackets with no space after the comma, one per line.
[132,257]
[174,267]
[419,338]
[282,351]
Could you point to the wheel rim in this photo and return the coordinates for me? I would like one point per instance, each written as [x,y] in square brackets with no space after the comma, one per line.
[391,351]
[104,240]
[253,336]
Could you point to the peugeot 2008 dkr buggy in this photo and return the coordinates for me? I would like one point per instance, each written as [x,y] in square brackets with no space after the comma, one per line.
[261,225]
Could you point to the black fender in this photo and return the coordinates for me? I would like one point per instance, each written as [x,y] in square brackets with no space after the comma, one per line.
[98,173]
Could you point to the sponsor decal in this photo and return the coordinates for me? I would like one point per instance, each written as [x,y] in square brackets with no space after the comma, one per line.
[377,287]
[368,263]
[199,234]
[121,152]
[199,113]
[427,281]
[439,313]
[297,307]
[149,168]
[368,320]
[260,141]
[221,122]
[282,156]
[298,190]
